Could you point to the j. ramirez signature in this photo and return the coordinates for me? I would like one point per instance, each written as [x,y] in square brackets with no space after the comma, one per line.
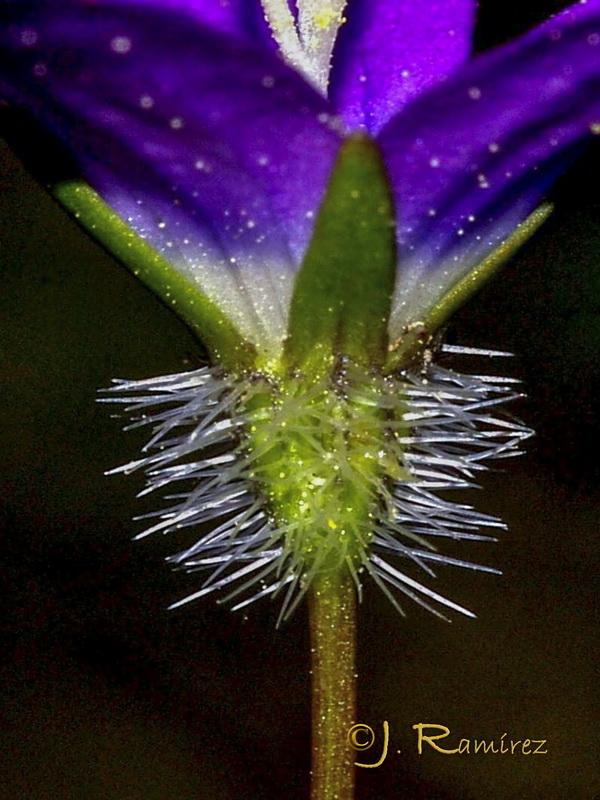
[362,737]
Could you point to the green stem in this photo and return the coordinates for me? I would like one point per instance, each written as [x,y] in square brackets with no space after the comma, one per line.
[332,610]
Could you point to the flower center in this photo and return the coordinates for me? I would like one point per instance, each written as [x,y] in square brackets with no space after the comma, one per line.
[306,43]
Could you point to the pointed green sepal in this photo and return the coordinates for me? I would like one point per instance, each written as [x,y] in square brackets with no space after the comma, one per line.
[225,344]
[418,334]
[342,295]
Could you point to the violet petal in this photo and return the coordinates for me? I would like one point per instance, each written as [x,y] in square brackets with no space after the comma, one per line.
[389,51]
[472,158]
[213,150]
[241,18]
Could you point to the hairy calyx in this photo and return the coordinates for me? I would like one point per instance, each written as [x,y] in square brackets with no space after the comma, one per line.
[301,477]
[323,453]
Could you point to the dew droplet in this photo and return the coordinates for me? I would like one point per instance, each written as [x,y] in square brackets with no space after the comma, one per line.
[28,37]
[474,93]
[120,44]
[146,101]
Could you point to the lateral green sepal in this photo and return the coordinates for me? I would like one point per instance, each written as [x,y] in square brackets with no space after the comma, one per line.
[418,334]
[342,295]
[225,344]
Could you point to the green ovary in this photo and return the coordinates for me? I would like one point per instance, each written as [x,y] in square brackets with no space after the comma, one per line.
[323,454]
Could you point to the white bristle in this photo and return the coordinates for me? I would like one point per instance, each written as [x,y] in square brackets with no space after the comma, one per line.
[445,429]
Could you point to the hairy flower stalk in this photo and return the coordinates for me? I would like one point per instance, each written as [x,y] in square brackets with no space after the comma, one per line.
[314,186]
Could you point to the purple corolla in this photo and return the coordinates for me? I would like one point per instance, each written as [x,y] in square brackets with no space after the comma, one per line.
[212,129]
[186,119]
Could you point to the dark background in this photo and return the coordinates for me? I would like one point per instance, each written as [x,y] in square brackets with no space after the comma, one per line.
[107,695]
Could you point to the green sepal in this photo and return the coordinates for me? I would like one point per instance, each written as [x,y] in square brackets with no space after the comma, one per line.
[342,295]
[419,334]
[223,341]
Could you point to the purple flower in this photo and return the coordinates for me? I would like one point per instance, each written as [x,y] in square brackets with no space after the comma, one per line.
[212,129]
[187,121]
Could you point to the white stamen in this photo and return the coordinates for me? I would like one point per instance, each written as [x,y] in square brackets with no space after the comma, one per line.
[307,46]
[319,22]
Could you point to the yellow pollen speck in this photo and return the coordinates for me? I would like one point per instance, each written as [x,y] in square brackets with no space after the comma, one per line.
[323,19]
[331,524]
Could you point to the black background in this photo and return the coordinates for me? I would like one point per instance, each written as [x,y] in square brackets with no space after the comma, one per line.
[108,695]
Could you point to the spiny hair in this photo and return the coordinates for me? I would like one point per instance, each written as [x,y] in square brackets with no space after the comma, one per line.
[442,427]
